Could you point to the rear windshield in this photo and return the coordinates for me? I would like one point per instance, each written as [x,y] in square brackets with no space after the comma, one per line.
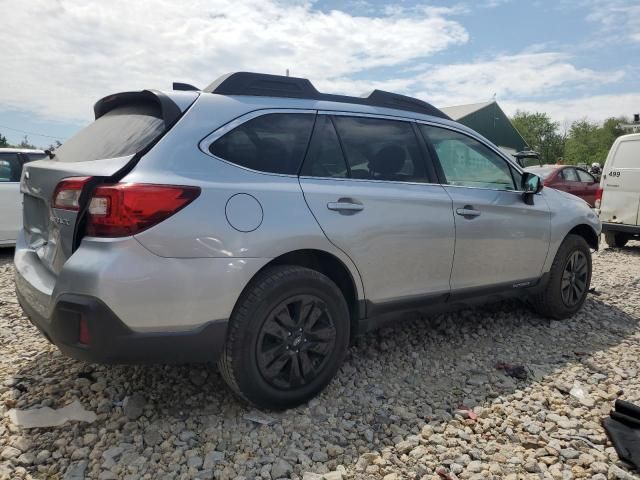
[122,131]
[627,155]
[543,172]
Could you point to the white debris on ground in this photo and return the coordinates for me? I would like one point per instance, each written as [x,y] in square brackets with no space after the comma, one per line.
[493,393]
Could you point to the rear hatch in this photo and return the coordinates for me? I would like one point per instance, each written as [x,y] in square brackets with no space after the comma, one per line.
[127,125]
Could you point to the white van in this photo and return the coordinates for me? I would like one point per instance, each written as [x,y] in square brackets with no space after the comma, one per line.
[618,198]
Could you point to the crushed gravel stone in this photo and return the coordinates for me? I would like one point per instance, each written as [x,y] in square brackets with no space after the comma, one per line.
[496,392]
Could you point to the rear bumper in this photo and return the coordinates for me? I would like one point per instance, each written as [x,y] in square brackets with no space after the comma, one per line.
[111,341]
[620,228]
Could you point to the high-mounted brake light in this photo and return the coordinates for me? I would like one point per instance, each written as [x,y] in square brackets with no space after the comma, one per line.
[125,209]
[598,200]
[67,193]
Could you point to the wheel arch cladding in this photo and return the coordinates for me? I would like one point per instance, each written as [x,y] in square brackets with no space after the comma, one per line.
[330,266]
[586,232]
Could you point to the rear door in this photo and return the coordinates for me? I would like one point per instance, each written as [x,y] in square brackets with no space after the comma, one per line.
[621,184]
[366,182]
[126,124]
[500,240]
[10,201]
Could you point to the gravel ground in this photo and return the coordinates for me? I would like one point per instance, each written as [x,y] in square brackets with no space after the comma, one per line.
[423,399]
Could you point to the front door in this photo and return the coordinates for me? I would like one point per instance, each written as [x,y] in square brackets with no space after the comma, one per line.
[367,183]
[588,186]
[501,241]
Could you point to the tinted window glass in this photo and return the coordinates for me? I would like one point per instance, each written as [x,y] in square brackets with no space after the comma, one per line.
[274,143]
[36,156]
[467,162]
[324,158]
[569,174]
[585,177]
[122,131]
[9,168]
[381,149]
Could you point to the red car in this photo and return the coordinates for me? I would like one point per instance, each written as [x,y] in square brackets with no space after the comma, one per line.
[570,179]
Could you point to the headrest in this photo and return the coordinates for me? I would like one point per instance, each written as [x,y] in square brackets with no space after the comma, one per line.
[389,160]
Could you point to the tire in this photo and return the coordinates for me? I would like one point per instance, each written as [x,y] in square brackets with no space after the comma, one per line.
[267,360]
[558,300]
[615,240]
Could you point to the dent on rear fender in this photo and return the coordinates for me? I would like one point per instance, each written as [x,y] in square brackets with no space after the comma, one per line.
[148,292]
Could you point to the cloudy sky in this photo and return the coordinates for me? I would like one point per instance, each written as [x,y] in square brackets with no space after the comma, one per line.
[570,58]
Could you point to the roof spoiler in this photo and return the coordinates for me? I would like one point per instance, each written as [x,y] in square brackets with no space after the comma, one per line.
[169,109]
[184,87]
[265,85]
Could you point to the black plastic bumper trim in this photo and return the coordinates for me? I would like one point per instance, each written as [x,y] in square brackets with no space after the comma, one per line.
[622,228]
[113,342]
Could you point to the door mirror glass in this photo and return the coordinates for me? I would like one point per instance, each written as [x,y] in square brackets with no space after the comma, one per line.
[531,183]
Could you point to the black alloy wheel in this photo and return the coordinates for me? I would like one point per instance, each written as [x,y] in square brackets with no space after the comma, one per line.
[295,342]
[574,278]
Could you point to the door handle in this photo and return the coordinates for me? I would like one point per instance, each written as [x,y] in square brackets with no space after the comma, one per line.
[346,207]
[468,212]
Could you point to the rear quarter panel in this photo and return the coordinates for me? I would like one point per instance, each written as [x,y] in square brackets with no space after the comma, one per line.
[202,229]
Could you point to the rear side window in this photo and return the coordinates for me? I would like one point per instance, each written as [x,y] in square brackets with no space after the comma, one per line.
[274,143]
[32,157]
[380,149]
[9,167]
[120,132]
[324,158]
[627,155]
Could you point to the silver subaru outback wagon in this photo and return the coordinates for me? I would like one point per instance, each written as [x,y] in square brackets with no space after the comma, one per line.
[263,224]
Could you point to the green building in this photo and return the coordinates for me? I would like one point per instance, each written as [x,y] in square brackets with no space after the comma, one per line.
[490,121]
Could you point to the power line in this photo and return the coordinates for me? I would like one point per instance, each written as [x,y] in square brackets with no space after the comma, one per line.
[30,133]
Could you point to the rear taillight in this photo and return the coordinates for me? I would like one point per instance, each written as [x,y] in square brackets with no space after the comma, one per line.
[67,193]
[128,208]
[598,200]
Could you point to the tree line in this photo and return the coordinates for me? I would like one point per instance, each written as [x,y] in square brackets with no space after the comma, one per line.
[582,142]
[25,143]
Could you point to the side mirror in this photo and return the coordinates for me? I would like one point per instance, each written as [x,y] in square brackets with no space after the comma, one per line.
[531,184]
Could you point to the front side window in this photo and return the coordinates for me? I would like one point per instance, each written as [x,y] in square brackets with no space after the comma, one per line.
[467,162]
[585,177]
[274,143]
[379,149]
[569,174]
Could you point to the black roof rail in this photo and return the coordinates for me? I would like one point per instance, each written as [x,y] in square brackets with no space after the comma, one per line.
[265,85]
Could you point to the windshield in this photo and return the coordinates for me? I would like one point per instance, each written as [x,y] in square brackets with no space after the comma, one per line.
[120,132]
[543,172]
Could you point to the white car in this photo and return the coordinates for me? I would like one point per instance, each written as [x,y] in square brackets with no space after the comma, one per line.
[11,162]
[618,198]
